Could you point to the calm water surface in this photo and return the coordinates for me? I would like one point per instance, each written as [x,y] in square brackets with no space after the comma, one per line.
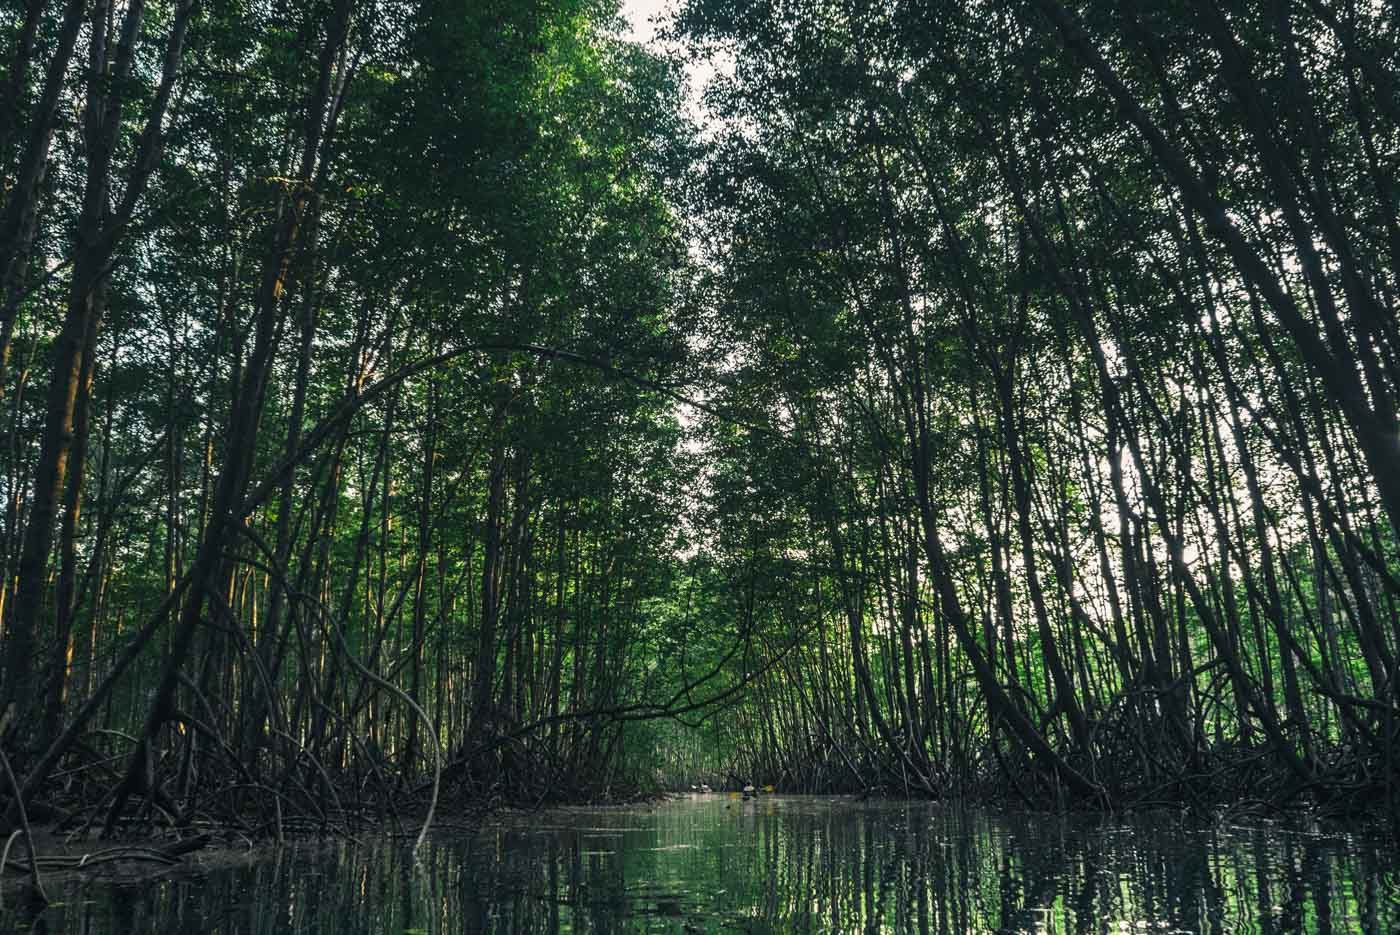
[781,864]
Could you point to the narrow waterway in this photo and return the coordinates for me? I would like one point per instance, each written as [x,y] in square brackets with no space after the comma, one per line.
[780,864]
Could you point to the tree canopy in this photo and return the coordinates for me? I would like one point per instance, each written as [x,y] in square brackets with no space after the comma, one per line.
[981,398]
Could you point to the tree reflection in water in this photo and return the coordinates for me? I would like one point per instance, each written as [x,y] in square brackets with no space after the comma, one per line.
[776,865]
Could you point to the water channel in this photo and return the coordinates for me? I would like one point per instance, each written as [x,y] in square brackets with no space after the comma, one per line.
[711,863]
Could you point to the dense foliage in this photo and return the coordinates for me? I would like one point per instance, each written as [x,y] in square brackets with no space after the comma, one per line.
[994,397]
[1078,326]
[335,335]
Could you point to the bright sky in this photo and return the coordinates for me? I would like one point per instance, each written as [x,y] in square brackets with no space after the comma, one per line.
[639,14]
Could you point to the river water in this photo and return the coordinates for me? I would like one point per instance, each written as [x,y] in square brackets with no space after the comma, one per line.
[781,864]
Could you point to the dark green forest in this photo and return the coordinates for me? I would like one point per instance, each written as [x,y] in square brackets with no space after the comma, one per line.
[440,402]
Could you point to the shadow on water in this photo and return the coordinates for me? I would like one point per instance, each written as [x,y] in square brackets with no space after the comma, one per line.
[781,864]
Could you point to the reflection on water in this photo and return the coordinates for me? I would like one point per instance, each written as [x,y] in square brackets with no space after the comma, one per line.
[781,864]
